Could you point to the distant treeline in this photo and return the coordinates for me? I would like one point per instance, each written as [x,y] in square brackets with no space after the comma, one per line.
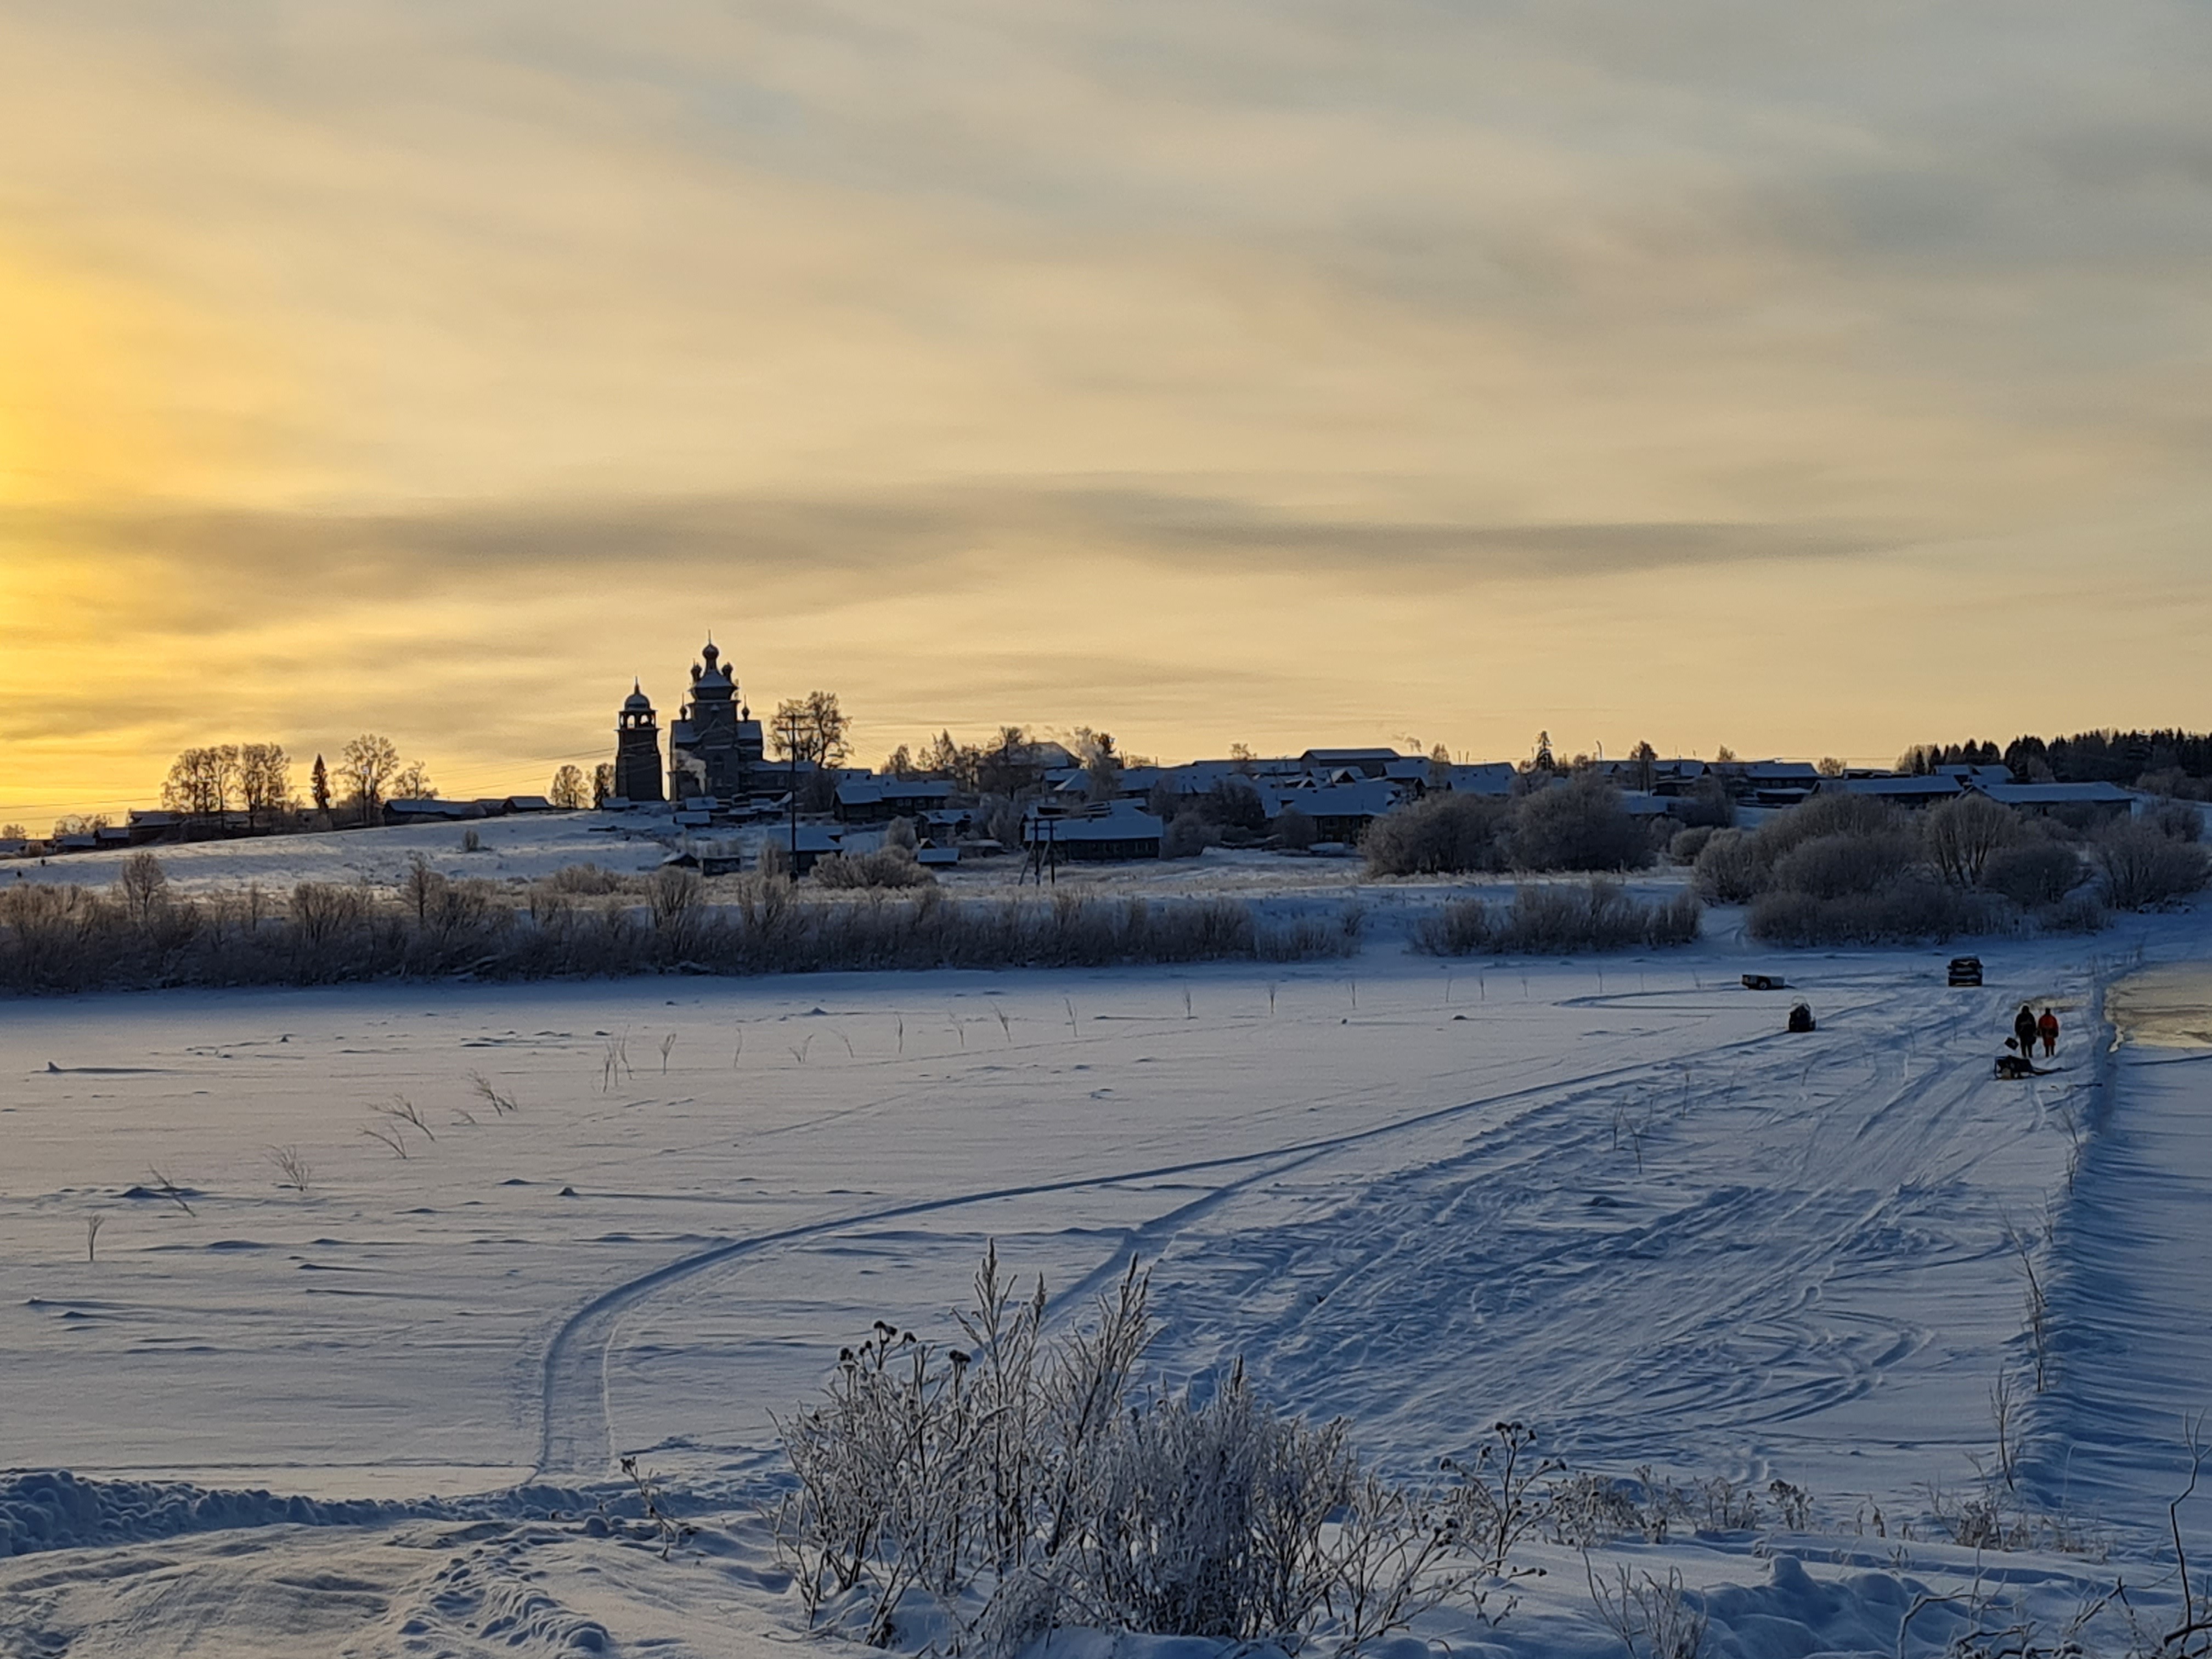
[2168,763]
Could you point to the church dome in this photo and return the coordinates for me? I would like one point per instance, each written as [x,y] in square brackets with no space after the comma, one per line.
[714,678]
[637,701]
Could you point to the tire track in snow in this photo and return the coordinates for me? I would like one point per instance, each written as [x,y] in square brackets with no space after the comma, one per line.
[1479,1257]
[577,1433]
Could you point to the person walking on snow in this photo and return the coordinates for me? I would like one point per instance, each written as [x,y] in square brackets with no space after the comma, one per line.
[2047,1029]
[2024,1028]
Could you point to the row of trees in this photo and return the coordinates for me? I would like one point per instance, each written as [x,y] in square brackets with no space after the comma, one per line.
[256,779]
[2168,762]
[1012,761]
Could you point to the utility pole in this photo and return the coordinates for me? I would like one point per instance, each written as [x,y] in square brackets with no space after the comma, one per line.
[791,758]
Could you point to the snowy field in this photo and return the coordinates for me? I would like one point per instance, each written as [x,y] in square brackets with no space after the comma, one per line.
[1610,1197]
[530,847]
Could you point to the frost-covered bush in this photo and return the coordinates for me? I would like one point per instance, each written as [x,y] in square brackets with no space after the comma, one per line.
[891,865]
[1684,845]
[988,1493]
[2140,867]
[1845,869]
[1731,868]
[2033,873]
[1549,920]
[2177,820]
[1189,835]
[1832,867]
[1915,908]
[1444,834]
[588,881]
[1838,814]
[2077,913]
[68,938]
[1963,835]
[1312,938]
[1577,825]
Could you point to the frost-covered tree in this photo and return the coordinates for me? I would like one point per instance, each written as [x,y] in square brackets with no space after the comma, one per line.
[568,790]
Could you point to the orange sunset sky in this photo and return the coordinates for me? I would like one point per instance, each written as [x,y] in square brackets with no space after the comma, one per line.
[1810,381]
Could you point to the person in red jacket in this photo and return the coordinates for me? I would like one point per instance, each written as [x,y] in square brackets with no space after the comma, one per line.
[2047,1029]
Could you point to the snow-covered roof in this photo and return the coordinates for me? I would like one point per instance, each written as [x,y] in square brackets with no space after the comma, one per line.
[1770,771]
[1489,778]
[2057,794]
[1106,820]
[861,792]
[1362,797]
[1894,788]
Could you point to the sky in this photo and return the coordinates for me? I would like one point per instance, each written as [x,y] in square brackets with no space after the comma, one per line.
[1806,381]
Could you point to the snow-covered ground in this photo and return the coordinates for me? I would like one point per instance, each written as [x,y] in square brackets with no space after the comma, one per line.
[525,848]
[1611,1197]
[532,846]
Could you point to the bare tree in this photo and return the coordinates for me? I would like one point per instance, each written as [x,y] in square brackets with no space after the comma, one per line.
[1647,766]
[201,781]
[366,764]
[412,783]
[1964,833]
[568,790]
[264,779]
[143,885]
[603,782]
[811,728]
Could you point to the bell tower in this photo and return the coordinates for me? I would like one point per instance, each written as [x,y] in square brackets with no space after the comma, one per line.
[637,748]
